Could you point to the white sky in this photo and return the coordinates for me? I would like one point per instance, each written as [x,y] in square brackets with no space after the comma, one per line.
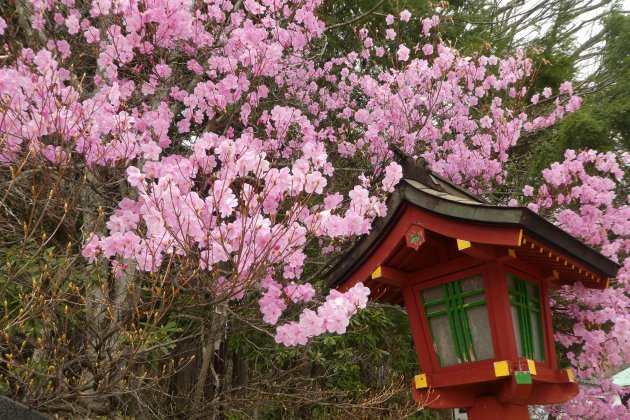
[585,33]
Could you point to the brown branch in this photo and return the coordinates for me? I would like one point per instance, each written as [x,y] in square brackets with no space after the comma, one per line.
[355,19]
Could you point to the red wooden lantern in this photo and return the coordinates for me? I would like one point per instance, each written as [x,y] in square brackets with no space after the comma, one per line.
[474,279]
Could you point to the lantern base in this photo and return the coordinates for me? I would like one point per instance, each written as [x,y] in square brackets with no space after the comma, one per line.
[487,408]
[468,386]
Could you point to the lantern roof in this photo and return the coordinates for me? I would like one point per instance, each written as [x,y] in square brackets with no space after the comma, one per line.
[449,212]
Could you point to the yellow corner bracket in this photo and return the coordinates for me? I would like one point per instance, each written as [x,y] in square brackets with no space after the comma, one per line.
[532,366]
[501,368]
[377,273]
[462,244]
[570,375]
[420,381]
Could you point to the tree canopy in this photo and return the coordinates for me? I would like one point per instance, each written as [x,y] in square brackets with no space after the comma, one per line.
[177,176]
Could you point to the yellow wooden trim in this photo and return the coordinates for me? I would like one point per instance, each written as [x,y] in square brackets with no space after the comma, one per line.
[462,244]
[512,253]
[520,237]
[570,374]
[607,282]
[532,366]
[501,368]
[420,381]
[377,273]
[556,275]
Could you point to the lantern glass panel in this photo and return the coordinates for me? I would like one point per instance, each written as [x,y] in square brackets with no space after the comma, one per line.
[443,340]
[458,318]
[525,301]
[480,332]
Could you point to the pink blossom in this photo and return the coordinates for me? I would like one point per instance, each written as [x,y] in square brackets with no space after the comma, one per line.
[393,174]
[90,248]
[72,22]
[299,293]
[291,335]
[566,87]
[9,80]
[163,70]
[333,201]
[405,15]
[92,35]
[151,150]
[271,303]
[135,177]
[402,53]
[574,104]
[64,48]
[362,115]
[311,323]
[315,183]
[225,200]
[44,61]
[194,66]
[427,24]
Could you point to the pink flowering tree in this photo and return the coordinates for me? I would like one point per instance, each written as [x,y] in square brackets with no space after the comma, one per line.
[192,151]
[585,195]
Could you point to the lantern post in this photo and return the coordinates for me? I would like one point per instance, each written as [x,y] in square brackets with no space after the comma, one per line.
[475,281]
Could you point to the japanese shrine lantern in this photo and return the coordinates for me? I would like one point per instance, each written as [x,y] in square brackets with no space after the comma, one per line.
[474,279]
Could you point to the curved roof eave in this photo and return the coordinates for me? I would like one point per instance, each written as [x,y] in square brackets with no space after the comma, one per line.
[465,209]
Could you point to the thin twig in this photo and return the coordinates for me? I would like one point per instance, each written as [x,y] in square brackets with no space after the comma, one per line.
[355,19]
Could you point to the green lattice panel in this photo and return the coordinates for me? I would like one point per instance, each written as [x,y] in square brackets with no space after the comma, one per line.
[526,304]
[456,301]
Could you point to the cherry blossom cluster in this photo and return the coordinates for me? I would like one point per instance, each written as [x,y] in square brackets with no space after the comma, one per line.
[583,195]
[333,316]
[273,303]
[461,114]
[591,181]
